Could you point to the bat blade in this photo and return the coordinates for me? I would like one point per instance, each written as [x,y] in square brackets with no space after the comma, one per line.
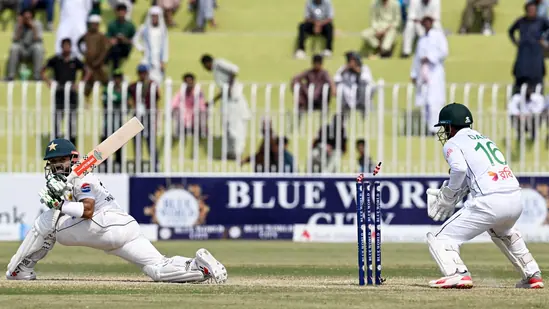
[109,146]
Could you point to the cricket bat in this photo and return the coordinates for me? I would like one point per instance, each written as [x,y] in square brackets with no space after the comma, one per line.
[102,151]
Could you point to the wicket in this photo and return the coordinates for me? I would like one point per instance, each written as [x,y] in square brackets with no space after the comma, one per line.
[364,200]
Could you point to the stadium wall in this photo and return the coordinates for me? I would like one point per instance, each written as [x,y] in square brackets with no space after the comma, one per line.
[246,206]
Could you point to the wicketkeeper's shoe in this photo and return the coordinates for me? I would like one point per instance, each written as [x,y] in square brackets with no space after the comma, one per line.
[533,282]
[457,281]
[211,267]
[21,273]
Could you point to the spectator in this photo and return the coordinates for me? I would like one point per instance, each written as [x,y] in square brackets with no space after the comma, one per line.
[127,3]
[259,157]
[203,13]
[354,74]
[96,7]
[112,106]
[486,7]
[277,153]
[65,66]
[169,7]
[235,111]
[190,109]
[525,110]
[385,18]
[142,94]
[152,40]
[274,151]
[364,161]
[27,45]
[417,10]
[329,146]
[120,32]
[35,5]
[288,157]
[529,67]
[316,77]
[404,10]
[319,15]
[542,7]
[95,50]
[73,17]
[428,72]
[9,5]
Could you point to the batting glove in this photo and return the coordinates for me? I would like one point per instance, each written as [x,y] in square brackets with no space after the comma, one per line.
[58,187]
[52,202]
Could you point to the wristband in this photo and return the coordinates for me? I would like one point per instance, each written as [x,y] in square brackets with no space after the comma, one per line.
[74,209]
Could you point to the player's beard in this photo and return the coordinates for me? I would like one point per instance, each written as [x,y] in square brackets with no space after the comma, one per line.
[63,168]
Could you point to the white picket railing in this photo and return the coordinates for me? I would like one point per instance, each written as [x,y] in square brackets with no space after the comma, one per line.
[391,125]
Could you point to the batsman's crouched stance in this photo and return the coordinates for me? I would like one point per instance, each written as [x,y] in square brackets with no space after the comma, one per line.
[92,218]
[477,167]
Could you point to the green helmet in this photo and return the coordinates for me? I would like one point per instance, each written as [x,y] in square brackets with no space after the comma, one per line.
[59,148]
[453,115]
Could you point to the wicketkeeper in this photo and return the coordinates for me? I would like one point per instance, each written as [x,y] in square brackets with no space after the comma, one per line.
[477,167]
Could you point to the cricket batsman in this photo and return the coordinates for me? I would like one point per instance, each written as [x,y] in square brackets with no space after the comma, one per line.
[91,217]
[478,167]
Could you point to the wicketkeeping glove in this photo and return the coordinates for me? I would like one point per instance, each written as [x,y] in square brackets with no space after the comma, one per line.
[441,203]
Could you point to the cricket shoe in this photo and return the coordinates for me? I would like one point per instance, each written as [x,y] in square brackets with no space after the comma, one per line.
[21,273]
[300,54]
[533,282]
[212,268]
[457,281]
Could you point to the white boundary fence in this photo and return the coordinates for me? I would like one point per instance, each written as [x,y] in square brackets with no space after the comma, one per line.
[388,120]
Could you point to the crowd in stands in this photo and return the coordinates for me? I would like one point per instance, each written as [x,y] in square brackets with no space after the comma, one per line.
[84,53]
[391,18]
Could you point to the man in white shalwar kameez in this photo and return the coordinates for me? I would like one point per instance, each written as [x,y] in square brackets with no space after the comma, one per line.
[428,72]
[235,110]
[152,40]
[72,22]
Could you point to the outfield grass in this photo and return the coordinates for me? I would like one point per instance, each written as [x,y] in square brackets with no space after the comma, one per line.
[259,36]
[270,274]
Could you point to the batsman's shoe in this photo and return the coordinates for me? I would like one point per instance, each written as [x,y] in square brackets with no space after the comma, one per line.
[211,267]
[457,281]
[21,273]
[533,282]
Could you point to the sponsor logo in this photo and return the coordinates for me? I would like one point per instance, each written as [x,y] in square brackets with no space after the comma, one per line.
[86,187]
[84,166]
[502,174]
[178,206]
[449,152]
[97,155]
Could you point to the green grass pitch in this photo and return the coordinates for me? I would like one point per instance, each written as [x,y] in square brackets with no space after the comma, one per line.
[271,274]
[259,36]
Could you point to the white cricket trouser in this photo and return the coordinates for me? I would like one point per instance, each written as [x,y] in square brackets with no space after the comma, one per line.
[236,122]
[410,31]
[497,211]
[112,231]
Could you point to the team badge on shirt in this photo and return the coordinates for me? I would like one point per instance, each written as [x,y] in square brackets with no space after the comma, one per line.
[85,187]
